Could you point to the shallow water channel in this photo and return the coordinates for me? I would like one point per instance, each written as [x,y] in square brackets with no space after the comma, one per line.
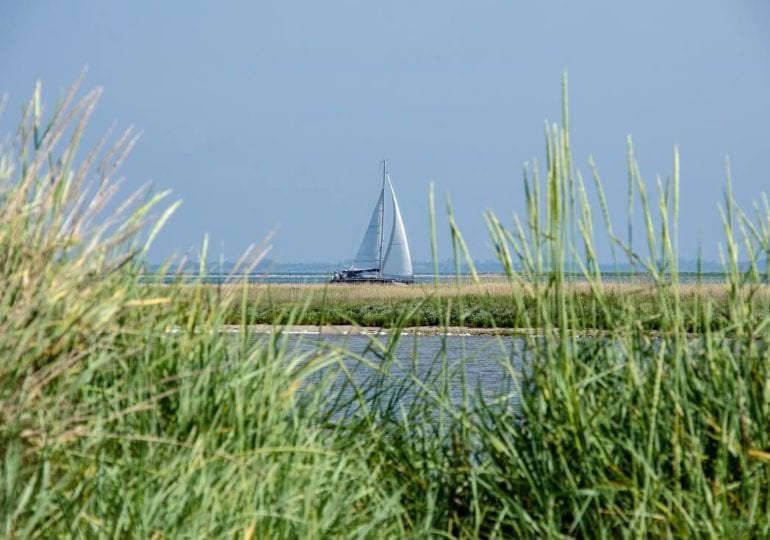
[462,367]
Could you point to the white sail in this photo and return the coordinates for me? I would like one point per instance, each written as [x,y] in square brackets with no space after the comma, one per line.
[369,253]
[397,262]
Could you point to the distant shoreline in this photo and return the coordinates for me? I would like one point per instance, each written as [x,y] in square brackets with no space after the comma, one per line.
[423,279]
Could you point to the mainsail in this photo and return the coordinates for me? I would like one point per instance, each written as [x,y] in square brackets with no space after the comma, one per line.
[397,262]
[370,253]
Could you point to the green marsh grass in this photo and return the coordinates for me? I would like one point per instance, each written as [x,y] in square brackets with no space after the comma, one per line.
[127,411]
[489,304]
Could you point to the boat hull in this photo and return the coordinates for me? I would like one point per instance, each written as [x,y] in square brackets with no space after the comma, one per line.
[376,280]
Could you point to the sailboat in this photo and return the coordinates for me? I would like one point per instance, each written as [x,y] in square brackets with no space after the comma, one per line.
[370,266]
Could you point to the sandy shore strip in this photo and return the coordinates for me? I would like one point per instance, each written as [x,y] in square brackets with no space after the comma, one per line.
[347,330]
[351,330]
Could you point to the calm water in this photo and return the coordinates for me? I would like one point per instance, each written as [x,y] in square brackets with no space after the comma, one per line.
[485,364]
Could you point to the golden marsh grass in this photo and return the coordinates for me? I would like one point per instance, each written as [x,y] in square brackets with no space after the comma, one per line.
[126,412]
[498,288]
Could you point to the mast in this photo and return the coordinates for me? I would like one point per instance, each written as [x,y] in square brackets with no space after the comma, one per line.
[382,215]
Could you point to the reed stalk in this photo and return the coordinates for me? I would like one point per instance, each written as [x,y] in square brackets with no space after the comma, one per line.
[126,411]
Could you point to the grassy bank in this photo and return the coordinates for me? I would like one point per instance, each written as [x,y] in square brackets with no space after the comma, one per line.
[126,412]
[488,304]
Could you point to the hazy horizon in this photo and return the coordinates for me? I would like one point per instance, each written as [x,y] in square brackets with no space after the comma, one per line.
[273,117]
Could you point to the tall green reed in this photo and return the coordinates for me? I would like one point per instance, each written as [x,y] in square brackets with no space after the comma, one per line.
[127,411]
[631,433]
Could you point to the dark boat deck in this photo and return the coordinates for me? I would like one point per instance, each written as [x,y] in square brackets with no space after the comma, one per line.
[370,279]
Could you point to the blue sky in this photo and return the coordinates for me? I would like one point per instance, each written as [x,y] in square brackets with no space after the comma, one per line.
[267,116]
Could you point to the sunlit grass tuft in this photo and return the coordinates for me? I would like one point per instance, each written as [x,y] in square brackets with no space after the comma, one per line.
[640,409]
